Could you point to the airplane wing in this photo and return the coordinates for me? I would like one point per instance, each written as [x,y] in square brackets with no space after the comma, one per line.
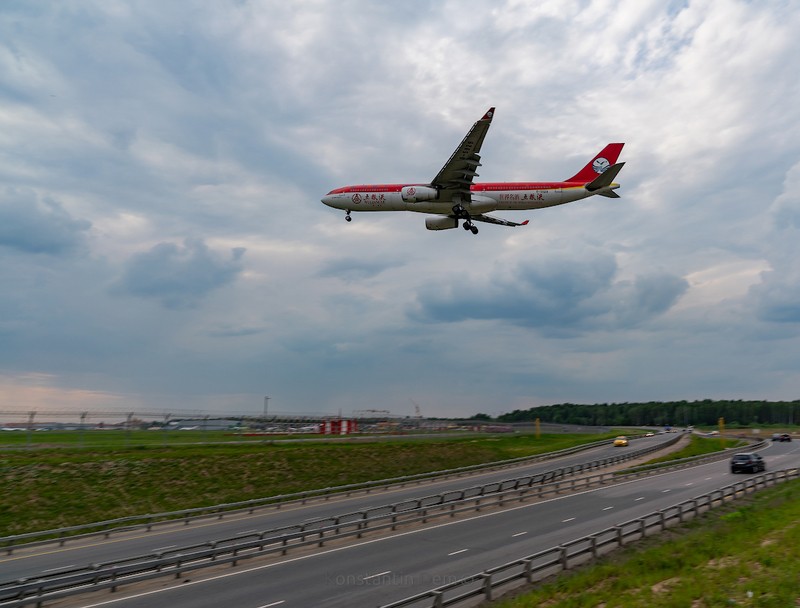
[496,220]
[455,178]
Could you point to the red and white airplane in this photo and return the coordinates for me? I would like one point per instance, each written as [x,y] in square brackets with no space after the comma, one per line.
[453,196]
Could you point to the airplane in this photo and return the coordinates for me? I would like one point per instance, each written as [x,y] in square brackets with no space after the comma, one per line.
[453,196]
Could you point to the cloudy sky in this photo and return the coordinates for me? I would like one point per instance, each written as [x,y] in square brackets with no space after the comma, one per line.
[163,246]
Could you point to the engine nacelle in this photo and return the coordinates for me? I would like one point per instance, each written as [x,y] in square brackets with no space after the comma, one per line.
[441,223]
[416,194]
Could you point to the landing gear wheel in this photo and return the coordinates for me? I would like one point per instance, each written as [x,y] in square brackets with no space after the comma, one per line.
[467,226]
[474,229]
[348,218]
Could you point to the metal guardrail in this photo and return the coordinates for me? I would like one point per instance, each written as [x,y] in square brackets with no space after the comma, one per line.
[536,567]
[186,516]
[175,562]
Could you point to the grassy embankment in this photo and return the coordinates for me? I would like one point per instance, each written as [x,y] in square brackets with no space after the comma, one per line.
[50,488]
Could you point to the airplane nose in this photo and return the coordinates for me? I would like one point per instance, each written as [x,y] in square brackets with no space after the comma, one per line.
[329,199]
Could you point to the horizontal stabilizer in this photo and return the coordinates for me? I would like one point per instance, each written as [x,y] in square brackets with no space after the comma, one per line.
[609,194]
[605,179]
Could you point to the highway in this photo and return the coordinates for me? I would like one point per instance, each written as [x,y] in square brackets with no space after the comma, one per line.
[31,562]
[371,572]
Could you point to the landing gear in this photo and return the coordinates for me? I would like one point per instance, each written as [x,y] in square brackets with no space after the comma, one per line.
[347,216]
[460,212]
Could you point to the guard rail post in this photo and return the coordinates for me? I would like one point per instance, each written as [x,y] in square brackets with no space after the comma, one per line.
[487,586]
[528,564]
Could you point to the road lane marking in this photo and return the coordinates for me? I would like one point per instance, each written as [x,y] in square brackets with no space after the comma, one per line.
[278,603]
[518,534]
[563,521]
[457,552]
[165,548]
[366,578]
[640,498]
[665,491]
[607,508]
[59,568]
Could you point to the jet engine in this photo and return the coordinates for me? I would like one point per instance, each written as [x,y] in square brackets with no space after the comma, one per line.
[415,194]
[440,223]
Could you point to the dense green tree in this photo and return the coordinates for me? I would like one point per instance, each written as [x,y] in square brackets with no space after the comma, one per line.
[657,413]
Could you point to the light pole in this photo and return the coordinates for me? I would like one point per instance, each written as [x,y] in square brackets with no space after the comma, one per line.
[266,405]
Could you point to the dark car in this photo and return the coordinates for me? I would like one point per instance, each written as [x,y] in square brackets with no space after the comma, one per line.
[785,437]
[748,462]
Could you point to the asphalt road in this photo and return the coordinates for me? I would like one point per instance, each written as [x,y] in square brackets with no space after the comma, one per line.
[375,571]
[31,562]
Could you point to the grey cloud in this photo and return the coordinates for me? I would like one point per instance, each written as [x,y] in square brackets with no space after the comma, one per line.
[178,277]
[355,269]
[38,225]
[558,295]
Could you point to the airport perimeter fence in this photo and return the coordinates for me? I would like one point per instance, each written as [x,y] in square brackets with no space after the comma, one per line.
[187,516]
[178,561]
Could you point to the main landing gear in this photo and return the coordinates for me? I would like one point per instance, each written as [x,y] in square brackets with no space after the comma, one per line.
[460,212]
[347,216]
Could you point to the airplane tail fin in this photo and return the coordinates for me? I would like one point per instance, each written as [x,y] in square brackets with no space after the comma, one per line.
[604,159]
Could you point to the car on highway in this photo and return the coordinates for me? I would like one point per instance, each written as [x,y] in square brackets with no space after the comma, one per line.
[785,437]
[620,441]
[649,434]
[747,462]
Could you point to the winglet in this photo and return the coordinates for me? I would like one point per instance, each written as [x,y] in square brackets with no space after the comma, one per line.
[525,223]
[489,114]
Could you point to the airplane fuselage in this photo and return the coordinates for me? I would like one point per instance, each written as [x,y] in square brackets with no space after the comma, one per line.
[486,197]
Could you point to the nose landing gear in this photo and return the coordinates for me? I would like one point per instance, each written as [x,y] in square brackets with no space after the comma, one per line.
[347,216]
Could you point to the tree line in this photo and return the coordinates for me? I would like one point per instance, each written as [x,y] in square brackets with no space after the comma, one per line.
[663,413]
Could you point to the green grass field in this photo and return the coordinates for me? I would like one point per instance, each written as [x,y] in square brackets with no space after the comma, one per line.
[50,488]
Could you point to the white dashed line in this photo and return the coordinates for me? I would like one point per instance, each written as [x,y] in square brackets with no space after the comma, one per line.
[59,568]
[457,552]
[366,578]
[640,498]
[607,508]
[563,521]
[518,534]
[278,603]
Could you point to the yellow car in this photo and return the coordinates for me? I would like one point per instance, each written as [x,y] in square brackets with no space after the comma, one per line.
[620,442]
